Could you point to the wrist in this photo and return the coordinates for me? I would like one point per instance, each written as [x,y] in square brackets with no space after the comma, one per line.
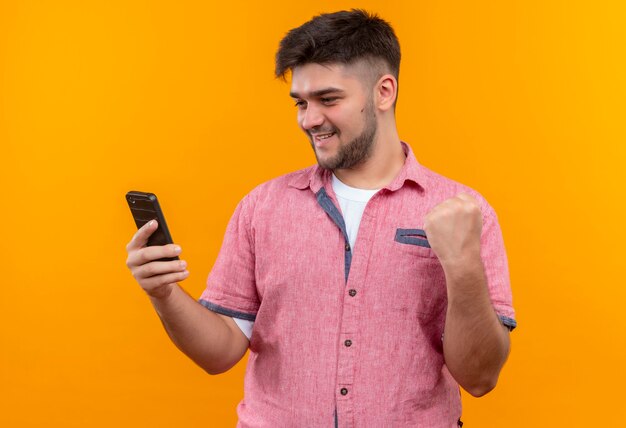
[464,277]
[160,294]
[468,263]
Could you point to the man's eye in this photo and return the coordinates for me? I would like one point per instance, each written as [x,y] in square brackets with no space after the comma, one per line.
[328,100]
[300,104]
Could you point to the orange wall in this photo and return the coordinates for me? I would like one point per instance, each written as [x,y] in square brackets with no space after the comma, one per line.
[521,100]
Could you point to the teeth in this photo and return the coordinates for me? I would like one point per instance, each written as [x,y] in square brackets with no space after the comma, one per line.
[325,136]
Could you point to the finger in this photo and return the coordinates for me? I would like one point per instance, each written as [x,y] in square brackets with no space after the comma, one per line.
[161,280]
[149,270]
[140,238]
[141,256]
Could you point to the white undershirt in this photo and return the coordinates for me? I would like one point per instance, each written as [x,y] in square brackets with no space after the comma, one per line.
[352,202]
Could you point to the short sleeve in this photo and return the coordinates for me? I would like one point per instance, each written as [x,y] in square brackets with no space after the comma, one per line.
[231,286]
[496,267]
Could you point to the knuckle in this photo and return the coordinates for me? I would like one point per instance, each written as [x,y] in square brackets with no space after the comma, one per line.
[471,207]
[150,269]
[162,280]
[143,256]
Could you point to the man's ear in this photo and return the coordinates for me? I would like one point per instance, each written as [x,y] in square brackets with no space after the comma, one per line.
[386,92]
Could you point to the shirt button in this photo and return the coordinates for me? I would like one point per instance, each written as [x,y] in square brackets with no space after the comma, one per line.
[348,343]
[344,391]
[352,292]
[347,247]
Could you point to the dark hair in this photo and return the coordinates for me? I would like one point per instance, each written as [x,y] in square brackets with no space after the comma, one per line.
[340,37]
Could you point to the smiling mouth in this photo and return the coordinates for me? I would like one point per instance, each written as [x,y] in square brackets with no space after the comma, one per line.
[322,137]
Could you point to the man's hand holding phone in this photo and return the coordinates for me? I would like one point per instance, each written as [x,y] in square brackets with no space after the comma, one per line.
[156,277]
[212,340]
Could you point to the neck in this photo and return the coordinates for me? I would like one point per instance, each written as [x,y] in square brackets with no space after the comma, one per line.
[383,165]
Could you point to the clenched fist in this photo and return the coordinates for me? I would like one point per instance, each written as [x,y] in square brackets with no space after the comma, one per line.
[453,229]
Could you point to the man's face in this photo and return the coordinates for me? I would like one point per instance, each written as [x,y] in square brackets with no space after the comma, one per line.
[336,111]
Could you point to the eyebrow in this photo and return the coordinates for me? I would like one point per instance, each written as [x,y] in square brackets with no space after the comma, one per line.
[318,93]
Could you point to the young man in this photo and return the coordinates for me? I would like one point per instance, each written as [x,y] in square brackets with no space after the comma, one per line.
[375,328]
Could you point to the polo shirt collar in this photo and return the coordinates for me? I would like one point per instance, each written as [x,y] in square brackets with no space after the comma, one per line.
[317,177]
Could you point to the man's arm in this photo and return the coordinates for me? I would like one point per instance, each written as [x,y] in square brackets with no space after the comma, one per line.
[475,343]
[212,341]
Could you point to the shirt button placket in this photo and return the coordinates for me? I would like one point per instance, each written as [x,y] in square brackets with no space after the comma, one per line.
[348,340]
[346,361]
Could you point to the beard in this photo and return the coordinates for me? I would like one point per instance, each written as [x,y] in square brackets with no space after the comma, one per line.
[356,151]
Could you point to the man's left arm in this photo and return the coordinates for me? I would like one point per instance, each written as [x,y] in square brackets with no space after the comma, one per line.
[475,342]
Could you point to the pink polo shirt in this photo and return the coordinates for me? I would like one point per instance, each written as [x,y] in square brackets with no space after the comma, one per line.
[342,337]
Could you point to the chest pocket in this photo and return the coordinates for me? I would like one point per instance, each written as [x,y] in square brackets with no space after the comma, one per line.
[414,241]
[416,266]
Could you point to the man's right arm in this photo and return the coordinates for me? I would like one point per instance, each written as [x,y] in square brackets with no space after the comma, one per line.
[211,340]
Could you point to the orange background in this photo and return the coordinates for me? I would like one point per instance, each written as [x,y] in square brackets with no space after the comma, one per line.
[523,100]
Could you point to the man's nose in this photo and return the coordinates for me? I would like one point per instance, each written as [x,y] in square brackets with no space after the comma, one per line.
[312,118]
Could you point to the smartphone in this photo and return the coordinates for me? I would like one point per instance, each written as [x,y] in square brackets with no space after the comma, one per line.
[145,207]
